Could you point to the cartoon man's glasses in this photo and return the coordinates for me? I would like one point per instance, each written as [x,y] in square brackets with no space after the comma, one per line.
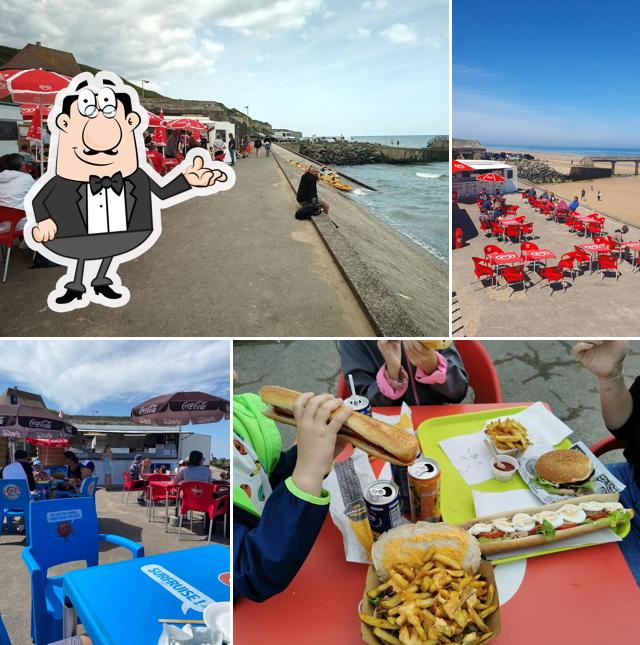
[89,104]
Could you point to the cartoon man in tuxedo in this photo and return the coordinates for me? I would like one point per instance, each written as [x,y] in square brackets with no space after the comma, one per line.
[100,199]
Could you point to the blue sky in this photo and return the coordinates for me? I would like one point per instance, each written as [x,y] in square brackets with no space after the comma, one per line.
[355,67]
[111,376]
[546,73]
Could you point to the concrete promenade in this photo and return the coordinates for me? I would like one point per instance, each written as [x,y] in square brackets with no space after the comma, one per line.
[234,264]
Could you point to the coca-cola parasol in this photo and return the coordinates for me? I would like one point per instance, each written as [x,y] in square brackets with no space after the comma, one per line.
[24,421]
[490,176]
[181,408]
[458,166]
[48,443]
[186,124]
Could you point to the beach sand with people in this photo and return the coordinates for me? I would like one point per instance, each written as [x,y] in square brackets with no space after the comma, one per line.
[618,193]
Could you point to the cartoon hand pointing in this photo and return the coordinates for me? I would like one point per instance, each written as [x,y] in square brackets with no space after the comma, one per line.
[198,175]
[45,231]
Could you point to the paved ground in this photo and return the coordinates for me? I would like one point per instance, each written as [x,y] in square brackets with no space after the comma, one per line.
[127,520]
[528,371]
[235,264]
[592,306]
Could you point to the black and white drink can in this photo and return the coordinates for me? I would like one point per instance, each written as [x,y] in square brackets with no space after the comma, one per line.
[383,506]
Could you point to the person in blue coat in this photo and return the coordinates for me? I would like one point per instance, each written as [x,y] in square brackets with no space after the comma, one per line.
[279,502]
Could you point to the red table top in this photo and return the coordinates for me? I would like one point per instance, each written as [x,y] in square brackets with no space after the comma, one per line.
[594,248]
[504,258]
[164,484]
[539,254]
[632,245]
[585,582]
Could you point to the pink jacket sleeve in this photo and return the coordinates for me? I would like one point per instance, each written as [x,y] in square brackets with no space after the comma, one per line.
[386,389]
[439,376]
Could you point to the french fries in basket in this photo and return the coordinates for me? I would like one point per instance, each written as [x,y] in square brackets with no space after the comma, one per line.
[437,602]
[508,434]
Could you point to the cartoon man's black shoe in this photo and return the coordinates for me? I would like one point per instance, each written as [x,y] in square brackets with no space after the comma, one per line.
[106,291]
[69,296]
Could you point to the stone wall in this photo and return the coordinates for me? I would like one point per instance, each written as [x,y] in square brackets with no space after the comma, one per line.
[585,172]
[346,153]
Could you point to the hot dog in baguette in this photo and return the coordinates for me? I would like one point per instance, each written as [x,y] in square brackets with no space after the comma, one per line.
[543,524]
[373,436]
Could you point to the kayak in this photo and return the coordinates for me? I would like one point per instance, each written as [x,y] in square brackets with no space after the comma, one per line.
[328,175]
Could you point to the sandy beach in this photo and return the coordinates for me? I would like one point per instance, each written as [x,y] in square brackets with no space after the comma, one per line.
[619,193]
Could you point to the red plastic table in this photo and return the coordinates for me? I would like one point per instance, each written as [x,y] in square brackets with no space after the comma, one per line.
[501,259]
[576,596]
[168,485]
[635,247]
[538,255]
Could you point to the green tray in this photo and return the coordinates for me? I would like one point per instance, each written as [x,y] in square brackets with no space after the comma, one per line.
[456,500]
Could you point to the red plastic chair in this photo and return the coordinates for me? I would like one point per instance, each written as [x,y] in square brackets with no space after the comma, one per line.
[194,496]
[9,220]
[513,275]
[528,246]
[497,230]
[527,230]
[581,257]
[553,275]
[579,227]
[520,218]
[607,445]
[566,262]
[614,247]
[608,262]
[598,239]
[480,269]
[219,506]
[491,248]
[594,229]
[131,484]
[511,232]
[157,494]
[156,160]
[512,210]
[483,377]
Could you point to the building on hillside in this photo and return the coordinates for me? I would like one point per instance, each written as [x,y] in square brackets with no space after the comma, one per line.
[35,56]
[467,149]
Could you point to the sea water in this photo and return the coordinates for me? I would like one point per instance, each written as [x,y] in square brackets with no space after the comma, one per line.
[412,198]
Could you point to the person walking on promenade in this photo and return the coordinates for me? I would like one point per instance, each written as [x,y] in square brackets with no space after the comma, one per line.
[257,145]
[599,196]
[582,194]
[267,146]
[232,149]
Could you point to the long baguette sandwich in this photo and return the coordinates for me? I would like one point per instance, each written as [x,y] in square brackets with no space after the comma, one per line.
[373,436]
[544,524]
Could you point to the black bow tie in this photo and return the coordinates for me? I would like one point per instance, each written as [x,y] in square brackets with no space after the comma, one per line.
[116,182]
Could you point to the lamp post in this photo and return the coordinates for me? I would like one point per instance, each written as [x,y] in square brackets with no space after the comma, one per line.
[142,82]
[246,107]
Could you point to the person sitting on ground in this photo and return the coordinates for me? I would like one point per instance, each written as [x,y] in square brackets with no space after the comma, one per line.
[14,182]
[279,505]
[308,190]
[135,471]
[20,468]
[574,204]
[621,415]
[25,152]
[196,470]
[388,372]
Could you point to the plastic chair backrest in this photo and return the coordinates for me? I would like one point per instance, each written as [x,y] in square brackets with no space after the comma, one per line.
[4,637]
[483,377]
[88,487]
[13,216]
[528,246]
[14,494]
[196,496]
[64,530]
[491,248]
[220,506]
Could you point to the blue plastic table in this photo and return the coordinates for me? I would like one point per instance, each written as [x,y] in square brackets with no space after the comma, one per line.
[122,602]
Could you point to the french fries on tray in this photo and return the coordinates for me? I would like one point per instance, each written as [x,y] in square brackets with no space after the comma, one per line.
[508,434]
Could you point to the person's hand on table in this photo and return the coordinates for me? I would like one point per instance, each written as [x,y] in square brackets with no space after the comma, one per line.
[420,356]
[601,357]
[391,351]
[316,438]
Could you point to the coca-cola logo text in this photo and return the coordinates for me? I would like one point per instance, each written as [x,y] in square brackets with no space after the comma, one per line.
[149,409]
[43,424]
[194,405]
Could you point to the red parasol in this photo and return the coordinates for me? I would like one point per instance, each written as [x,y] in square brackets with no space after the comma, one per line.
[458,166]
[154,120]
[159,136]
[49,443]
[186,124]
[29,109]
[35,131]
[181,408]
[35,86]
[4,75]
[490,176]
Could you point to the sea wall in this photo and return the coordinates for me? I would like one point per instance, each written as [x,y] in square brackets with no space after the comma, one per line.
[347,153]
[585,172]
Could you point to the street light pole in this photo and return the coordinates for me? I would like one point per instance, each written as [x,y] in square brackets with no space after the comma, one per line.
[246,107]
[142,85]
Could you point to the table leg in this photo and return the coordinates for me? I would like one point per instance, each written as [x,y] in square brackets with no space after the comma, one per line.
[166,510]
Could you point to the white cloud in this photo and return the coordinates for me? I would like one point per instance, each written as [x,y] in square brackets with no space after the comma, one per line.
[211,46]
[400,33]
[78,375]
[374,5]
[361,33]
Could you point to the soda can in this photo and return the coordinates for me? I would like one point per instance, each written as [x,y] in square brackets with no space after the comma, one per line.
[401,478]
[359,404]
[424,488]
[383,506]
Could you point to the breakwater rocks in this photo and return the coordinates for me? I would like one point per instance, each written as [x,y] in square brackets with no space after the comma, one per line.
[353,153]
[537,172]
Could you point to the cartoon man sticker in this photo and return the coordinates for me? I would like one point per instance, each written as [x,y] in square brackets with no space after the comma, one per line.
[98,204]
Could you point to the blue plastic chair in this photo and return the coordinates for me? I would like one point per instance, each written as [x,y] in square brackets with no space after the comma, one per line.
[15,499]
[87,489]
[62,530]
[4,637]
